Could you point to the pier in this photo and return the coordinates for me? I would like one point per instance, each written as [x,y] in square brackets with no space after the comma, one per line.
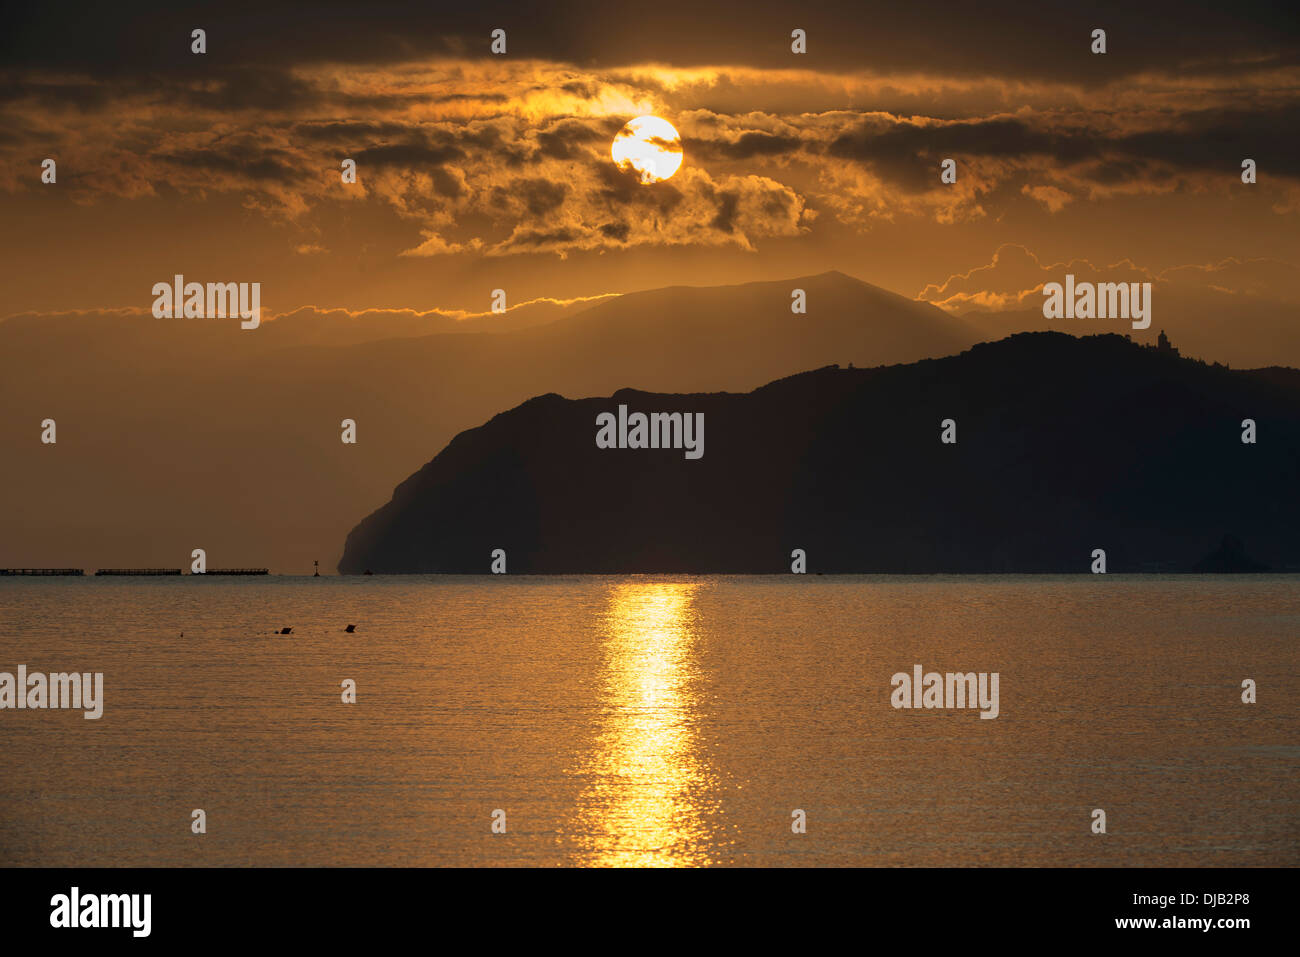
[42,571]
[130,571]
[138,571]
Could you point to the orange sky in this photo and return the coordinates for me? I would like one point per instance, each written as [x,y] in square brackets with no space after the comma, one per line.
[479,172]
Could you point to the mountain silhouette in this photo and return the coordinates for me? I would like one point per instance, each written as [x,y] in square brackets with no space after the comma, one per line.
[1064,445]
[1230,556]
[227,439]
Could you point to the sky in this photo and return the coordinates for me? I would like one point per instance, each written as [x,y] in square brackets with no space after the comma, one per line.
[479,171]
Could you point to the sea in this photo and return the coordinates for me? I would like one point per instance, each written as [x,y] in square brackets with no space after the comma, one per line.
[654,721]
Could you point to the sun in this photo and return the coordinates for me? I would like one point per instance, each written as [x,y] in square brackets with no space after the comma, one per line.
[649,147]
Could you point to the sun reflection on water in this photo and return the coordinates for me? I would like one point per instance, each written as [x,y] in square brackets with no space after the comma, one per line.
[646,801]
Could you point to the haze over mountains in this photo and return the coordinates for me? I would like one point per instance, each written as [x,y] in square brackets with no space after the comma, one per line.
[175,434]
[1065,445]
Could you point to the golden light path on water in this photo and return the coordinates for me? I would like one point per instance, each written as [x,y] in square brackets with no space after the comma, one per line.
[643,806]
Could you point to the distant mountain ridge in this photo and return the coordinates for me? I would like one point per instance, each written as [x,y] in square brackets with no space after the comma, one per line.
[1065,445]
[230,439]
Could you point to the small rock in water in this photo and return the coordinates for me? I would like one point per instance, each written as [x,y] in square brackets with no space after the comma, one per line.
[286,631]
[350,629]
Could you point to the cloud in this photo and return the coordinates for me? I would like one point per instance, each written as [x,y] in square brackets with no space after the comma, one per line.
[1261,278]
[1014,277]
[505,157]
[307,317]
[1052,197]
[1002,39]
[435,245]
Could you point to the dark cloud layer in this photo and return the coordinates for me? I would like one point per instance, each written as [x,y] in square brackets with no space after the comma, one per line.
[1211,139]
[999,38]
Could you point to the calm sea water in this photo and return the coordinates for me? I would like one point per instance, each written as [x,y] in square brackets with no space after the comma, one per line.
[654,721]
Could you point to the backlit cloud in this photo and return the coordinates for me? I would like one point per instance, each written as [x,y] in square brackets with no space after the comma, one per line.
[512,157]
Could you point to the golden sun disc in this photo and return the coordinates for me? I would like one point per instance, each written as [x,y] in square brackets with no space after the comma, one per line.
[649,148]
